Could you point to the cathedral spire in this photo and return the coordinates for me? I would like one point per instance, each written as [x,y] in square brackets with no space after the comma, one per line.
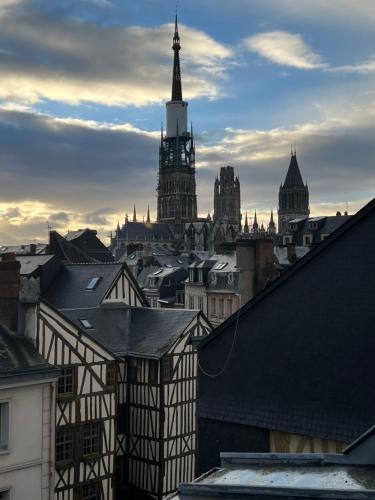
[255,223]
[246,225]
[148,220]
[176,81]
[134,214]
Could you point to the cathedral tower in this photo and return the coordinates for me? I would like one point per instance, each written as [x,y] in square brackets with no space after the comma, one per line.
[293,196]
[177,200]
[227,198]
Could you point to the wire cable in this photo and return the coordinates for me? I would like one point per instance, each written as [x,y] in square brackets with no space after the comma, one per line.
[222,370]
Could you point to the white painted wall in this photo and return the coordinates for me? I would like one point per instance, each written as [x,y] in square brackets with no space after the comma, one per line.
[27,468]
[176,112]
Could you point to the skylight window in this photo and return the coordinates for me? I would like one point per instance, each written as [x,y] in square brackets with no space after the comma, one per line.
[93,283]
[157,272]
[179,261]
[85,323]
[220,266]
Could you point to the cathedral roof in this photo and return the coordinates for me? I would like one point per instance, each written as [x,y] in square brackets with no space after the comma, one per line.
[145,231]
[293,177]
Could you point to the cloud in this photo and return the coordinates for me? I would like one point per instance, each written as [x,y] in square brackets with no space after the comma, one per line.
[44,56]
[99,217]
[285,49]
[365,67]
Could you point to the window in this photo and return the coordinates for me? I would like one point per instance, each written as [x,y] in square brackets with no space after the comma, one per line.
[66,384]
[153,371]
[64,445]
[307,239]
[200,275]
[4,426]
[229,307]
[121,418]
[323,237]
[180,297]
[200,303]
[213,305]
[191,301]
[85,323]
[221,265]
[133,370]
[91,491]
[4,495]
[191,275]
[287,240]
[92,438]
[167,368]
[111,374]
[93,283]
[221,307]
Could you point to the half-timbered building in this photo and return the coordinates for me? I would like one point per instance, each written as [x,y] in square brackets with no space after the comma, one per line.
[292,371]
[126,401]
[156,433]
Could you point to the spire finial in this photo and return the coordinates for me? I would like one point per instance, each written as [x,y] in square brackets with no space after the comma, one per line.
[176,80]
[134,214]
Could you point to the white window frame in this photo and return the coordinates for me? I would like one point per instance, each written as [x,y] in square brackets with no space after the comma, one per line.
[7,449]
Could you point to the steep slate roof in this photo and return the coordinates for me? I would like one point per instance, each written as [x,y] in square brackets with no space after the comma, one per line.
[20,361]
[30,264]
[66,250]
[89,243]
[133,331]
[68,290]
[303,356]
[147,231]
[293,177]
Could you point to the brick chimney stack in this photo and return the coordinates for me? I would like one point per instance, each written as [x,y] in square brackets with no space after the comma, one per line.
[9,290]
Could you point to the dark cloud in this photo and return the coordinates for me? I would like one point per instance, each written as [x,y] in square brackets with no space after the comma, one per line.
[69,163]
[98,217]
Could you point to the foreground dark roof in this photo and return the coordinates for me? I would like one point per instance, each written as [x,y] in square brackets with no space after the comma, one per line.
[304,344]
[133,331]
[20,361]
[68,290]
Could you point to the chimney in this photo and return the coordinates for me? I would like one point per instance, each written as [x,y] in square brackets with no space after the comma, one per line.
[245,261]
[255,258]
[9,290]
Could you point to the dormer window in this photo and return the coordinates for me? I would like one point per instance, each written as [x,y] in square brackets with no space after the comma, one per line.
[307,240]
[313,225]
[287,240]
[93,283]
[293,226]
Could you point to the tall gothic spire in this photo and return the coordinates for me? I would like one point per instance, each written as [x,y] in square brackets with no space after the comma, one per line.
[148,220]
[134,214]
[176,81]
[246,226]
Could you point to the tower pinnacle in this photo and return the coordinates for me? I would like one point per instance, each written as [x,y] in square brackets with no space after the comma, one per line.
[176,81]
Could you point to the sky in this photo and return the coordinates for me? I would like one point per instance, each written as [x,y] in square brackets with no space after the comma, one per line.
[83,86]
